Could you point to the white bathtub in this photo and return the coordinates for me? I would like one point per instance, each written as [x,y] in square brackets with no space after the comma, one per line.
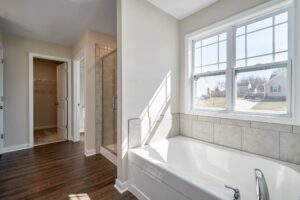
[181,168]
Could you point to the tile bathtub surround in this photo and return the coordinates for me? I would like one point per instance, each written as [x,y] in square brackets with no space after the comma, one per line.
[202,131]
[278,141]
[296,129]
[141,133]
[290,147]
[228,135]
[262,142]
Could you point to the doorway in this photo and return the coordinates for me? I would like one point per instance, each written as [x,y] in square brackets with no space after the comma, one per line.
[49,99]
[79,82]
[1,101]
[50,104]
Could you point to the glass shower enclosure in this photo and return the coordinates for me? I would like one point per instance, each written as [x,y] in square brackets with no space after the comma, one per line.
[106,102]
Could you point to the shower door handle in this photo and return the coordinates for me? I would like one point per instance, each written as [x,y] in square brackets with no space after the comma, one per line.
[114,103]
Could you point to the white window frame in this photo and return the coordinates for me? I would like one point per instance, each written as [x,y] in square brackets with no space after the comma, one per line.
[247,17]
[210,73]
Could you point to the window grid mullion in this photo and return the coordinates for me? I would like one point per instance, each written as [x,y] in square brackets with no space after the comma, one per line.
[231,71]
[246,43]
[273,32]
[218,54]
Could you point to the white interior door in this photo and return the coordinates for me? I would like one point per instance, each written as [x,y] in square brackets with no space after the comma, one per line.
[1,101]
[62,102]
[82,97]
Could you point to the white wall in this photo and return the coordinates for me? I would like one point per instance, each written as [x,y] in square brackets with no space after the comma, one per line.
[297,61]
[88,42]
[148,40]
[16,85]
[212,14]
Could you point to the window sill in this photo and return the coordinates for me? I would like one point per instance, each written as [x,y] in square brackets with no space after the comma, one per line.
[268,118]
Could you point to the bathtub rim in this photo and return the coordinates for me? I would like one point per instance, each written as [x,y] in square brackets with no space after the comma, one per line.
[164,165]
[294,166]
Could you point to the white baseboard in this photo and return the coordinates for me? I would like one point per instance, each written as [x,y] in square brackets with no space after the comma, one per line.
[109,155]
[89,152]
[16,148]
[138,193]
[121,186]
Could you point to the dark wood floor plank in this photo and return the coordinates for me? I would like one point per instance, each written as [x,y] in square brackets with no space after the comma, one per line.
[55,171]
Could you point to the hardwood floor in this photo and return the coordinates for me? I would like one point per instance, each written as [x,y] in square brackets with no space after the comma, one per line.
[58,171]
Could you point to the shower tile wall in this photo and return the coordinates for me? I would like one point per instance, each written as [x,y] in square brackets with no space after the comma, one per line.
[100,51]
[278,141]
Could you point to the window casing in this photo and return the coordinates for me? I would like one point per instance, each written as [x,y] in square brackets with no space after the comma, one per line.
[255,76]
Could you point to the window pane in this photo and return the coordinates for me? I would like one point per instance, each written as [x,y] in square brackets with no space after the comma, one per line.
[241,63]
[223,51]
[260,42]
[262,91]
[281,37]
[197,57]
[197,70]
[240,31]
[260,60]
[240,47]
[260,24]
[210,92]
[210,40]
[198,44]
[209,68]
[283,17]
[281,57]
[222,36]
[210,54]
[222,66]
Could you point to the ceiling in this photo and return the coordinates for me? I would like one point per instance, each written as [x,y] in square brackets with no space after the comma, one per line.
[58,21]
[181,8]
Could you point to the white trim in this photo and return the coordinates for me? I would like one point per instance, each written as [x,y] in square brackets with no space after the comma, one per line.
[108,155]
[121,186]
[76,88]
[16,148]
[89,152]
[45,127]
[264,9]
[138,193]
[1,100]
[30,113]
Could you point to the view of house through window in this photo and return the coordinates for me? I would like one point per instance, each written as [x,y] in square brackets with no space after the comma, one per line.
[210,61]
[259,71]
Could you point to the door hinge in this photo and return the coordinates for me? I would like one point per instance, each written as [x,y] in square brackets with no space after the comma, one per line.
[2,61]
[2,136]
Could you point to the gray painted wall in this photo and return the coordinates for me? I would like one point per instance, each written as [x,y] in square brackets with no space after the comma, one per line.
[16,84]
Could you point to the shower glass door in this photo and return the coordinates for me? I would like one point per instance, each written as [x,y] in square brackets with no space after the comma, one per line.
[109,102]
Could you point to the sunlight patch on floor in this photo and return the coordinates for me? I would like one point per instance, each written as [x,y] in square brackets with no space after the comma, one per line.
[79,197]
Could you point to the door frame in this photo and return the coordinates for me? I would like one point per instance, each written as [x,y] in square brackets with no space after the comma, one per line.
[76,93]
[2,99]
[31,107]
